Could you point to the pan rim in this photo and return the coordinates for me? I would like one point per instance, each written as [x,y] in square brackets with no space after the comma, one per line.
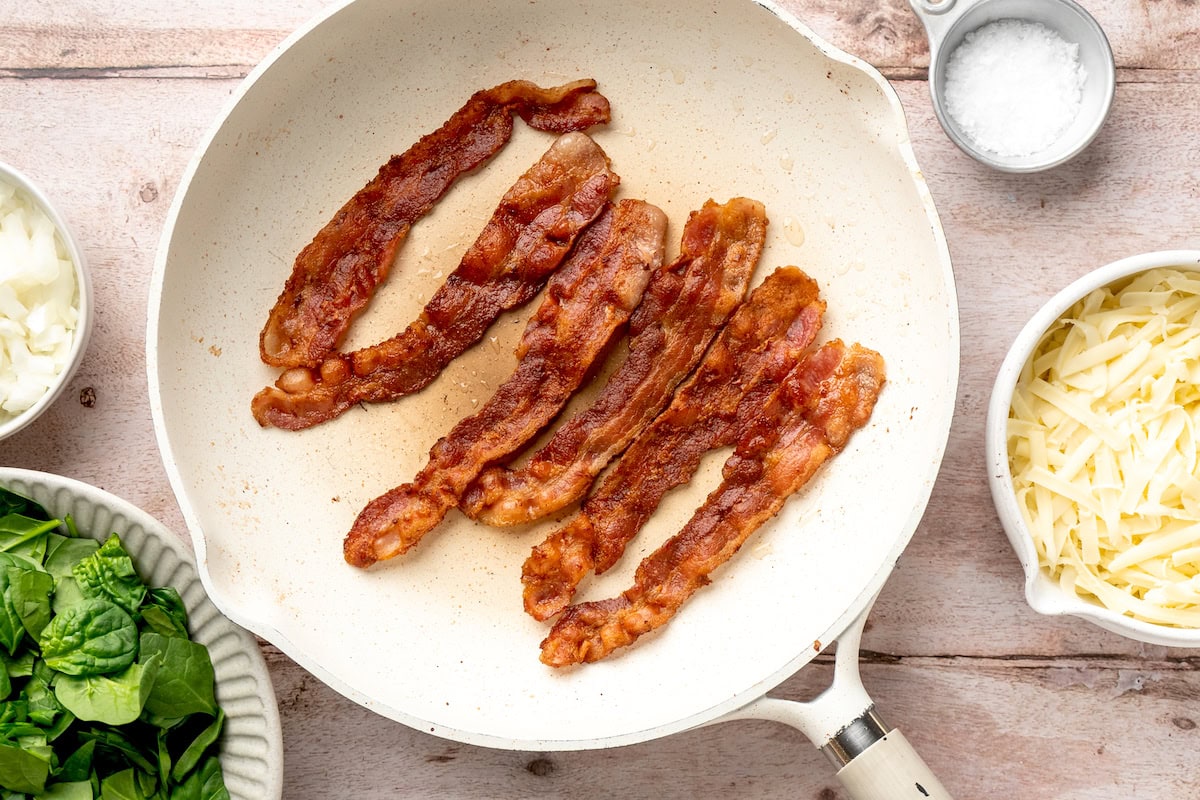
[286,645]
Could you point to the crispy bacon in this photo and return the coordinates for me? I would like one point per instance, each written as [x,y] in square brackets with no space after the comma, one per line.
[761,343]
[828,397]
[527,237]
[335,275]
[587,300]
[685,304]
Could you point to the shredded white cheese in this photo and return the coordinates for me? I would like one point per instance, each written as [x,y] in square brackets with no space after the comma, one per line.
[38,302]
[1103,446]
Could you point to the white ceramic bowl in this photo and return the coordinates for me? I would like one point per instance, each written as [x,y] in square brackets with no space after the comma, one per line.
[1043,593]
[948,22]
[83,283]
[252,744]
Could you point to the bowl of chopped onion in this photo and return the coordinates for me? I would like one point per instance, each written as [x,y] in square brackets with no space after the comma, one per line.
[1093,445]
[45,302]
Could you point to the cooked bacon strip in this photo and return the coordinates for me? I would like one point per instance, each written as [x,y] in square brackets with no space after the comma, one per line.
[823,401]
[335,275]
[586,302]
[684,306]
[527,237]
[761,343]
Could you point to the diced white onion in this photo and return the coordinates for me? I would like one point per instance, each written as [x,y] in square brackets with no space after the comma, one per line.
[1102,442]
[39,308]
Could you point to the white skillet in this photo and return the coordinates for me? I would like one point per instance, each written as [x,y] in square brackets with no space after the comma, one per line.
[713,100]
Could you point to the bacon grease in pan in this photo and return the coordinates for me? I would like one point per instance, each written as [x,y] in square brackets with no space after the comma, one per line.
[587,301]
[335,275]
[684,306]
[526,238]
[763,340]
[829,396]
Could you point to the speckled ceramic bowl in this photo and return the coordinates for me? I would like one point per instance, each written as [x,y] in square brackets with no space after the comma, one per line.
[83,282]
[1043,592]
[252,746]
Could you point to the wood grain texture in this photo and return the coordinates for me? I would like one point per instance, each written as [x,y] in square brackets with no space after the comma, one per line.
[105,102]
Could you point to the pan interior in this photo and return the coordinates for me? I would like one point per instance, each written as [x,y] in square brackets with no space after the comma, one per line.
[713,102]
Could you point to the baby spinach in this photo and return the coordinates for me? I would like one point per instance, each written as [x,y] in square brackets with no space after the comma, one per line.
[63,553]
[76,790]
[103,694]
[94,637]
[109,572]
[24,768]
[184,685]
[115,699]
[163,612]
[29,592]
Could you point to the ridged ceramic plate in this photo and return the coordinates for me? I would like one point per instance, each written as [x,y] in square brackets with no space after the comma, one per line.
[252,744]
[710,100]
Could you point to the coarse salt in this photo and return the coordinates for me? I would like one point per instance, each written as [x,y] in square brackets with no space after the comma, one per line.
[1014,87]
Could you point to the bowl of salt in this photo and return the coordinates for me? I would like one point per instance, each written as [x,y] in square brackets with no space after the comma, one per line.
[1018,85]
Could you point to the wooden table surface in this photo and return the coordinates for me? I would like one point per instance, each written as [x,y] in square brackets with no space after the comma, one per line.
[104,102]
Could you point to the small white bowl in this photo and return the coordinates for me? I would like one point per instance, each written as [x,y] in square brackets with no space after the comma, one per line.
[1041,591]
[948,22]
[83,283]
[251,751]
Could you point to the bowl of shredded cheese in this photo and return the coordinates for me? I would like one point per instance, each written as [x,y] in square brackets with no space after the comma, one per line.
[45,303]
[1093,441]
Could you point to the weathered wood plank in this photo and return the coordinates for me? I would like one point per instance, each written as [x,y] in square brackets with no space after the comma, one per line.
[1144,34]
[110,155]
[122,39]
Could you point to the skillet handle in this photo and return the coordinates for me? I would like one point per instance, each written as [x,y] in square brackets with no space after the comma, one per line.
[890,769]
[874,760]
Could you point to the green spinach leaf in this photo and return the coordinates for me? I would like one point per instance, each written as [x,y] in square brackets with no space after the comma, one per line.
[25,536]
[75,790]
[29,591]
[109,572]
[24,768]
[44,707]
[95,637]
[128,784]
[13,503]
[198,747]
[185,677]
[78,765]
[163,612]
[206,783]
[66,594]
[112,699]
[20,666]
[64,552]
[11,628]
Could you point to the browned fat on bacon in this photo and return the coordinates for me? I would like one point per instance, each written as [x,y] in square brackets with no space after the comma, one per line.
[586,302]
[828,397]
[335,275]
[526,238]
[685,305]
[763,340]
